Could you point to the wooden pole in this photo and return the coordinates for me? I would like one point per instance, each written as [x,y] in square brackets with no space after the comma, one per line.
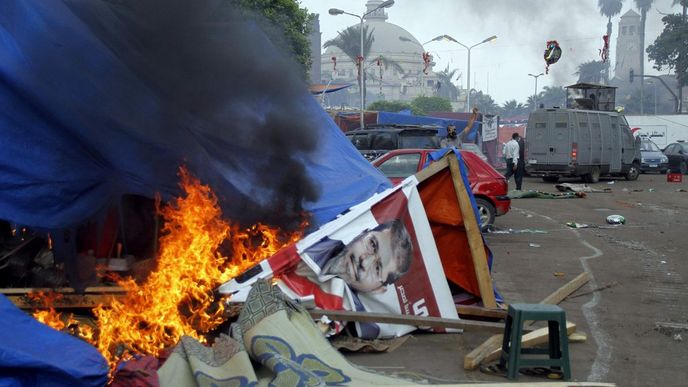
[404,319]
[475,239]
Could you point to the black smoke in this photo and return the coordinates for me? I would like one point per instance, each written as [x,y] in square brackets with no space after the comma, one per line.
[224,97]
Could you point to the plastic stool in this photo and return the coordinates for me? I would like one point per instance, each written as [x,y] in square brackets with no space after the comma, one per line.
[558,350]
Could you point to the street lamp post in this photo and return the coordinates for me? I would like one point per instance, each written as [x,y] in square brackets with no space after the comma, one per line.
[468,66]
[336,11]
[535,95]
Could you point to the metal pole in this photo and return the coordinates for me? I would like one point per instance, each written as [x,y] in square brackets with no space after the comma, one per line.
[536,89]
[468,83]
[360,77]
[654,88]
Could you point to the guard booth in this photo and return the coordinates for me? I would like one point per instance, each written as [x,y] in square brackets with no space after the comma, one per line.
[590,96]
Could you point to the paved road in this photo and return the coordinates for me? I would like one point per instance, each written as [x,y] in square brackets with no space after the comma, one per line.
[643,266]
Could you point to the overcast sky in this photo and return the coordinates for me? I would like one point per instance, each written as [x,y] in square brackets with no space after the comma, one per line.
[523,27]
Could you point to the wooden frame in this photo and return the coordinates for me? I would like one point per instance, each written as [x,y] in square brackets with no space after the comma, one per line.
[475,238]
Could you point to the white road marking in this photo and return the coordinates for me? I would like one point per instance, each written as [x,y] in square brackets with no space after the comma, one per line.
[601,364]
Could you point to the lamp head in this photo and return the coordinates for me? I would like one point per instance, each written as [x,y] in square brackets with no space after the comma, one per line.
[387,4]
[335,11]
[491,38]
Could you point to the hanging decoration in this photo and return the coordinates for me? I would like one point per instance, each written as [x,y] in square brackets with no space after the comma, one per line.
[552,54]
[426,61]
[604,52]
[334,60]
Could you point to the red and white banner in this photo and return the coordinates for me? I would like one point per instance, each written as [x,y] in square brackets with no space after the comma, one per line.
[380,256]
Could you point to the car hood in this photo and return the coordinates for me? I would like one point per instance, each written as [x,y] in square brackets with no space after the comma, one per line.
[651,154]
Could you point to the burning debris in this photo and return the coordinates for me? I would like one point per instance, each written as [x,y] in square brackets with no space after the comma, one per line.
[178,297]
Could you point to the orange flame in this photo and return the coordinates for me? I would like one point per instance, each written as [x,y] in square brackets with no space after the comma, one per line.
[46,314]
[178,297]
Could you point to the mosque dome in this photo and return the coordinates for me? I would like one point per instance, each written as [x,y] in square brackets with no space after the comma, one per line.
[388,38]
[403,73]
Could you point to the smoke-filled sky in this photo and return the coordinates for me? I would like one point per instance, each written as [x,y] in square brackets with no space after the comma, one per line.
[523,27]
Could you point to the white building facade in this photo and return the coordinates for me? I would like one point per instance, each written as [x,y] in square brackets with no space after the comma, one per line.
[394,44]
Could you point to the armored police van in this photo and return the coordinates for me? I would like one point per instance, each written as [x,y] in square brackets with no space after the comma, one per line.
[587,139]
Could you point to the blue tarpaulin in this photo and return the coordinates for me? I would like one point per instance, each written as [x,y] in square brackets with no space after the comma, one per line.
[100,99]
[442,123]
[33,354]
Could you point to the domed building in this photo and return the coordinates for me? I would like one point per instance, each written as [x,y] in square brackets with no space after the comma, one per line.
[401,74]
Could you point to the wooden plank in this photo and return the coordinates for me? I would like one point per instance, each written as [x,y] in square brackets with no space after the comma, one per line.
[477,311]
[418,321]
[536,337]
[475,239]
[473,359]
[66,301]
[566,290]
[578,337]
[89,290]
[431,169]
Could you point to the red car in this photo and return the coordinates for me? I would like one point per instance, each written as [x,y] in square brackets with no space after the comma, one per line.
[488,186]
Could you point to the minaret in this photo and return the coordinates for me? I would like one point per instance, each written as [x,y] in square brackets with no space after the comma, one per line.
[379,14]
[316,44]
[628,45]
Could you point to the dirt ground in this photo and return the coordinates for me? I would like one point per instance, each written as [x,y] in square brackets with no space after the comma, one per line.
[642,267]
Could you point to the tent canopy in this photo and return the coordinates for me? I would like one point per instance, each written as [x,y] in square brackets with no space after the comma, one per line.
[101,99]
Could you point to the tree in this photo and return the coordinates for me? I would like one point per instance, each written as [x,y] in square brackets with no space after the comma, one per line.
[431,104]
[670,49]
[447,89]
[552,96]
[513,108]
[484,102]
[609,8]
[349,41]
[591,72]
[643,6]
[389,106]
[291,24]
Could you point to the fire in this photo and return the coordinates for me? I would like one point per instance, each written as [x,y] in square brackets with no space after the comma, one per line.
[178,296]
[46,314]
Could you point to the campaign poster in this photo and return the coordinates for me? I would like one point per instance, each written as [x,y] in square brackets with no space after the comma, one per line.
[380,257]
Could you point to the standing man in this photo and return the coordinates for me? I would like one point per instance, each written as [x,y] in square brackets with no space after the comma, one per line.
[453,138]
[511,153]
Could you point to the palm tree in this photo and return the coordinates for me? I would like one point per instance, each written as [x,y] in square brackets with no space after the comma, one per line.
[591,72]
[513,108]
[552,96]
[643,6]
[484,102]
[447,88]
[609,8]
[349,41]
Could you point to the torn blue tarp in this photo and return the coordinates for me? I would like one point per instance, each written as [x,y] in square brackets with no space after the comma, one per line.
[33,354]
[104,98]
[441,123]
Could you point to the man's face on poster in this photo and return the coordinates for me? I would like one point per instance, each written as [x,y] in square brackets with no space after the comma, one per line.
[373,259]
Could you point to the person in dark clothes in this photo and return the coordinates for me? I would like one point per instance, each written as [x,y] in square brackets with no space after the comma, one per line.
[521,164]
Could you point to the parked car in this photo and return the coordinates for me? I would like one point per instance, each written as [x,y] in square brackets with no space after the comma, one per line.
[376,140]
[677,153]
[488,186]
[651,157]
[469,146]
